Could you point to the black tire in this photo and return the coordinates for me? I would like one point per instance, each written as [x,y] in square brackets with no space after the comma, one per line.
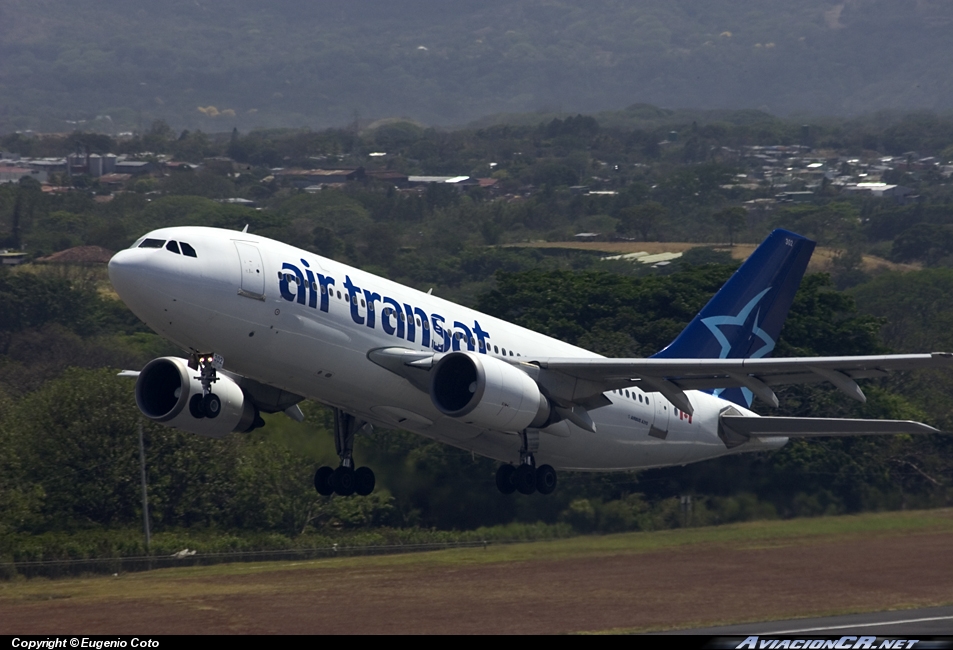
[504,479]
[545,479]
[525,479]
[212,405]
[322,481]
[364,481]
[342,480]
[196,408]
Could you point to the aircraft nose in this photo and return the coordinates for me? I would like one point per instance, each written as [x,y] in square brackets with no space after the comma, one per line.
[125,269]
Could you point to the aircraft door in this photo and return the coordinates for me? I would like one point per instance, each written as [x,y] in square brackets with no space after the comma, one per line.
[663,411]
[253,274]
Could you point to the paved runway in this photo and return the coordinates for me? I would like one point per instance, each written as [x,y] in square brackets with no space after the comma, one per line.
[910,623]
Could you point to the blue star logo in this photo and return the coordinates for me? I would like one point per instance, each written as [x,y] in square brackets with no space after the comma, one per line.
[714,323]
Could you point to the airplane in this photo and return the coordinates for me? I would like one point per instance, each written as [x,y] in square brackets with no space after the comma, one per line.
[267,325]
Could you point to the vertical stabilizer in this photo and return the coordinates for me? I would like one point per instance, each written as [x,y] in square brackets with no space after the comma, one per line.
[743,320]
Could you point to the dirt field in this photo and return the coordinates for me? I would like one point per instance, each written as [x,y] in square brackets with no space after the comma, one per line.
[821,261]
[625,582]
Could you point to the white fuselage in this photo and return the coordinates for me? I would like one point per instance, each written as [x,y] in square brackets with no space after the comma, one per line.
[288,318]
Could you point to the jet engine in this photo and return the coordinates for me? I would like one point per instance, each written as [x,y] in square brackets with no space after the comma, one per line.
[167,384]
[488,392]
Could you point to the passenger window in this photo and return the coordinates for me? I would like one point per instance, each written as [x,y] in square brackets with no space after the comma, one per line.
[496,349]
[402,317]
[640,398]
[187,250]
[418,322]
[172,246]
[324,289]
[504,352]
[362,303]
[152,243]
[427,325]
[339,295]
[626,393]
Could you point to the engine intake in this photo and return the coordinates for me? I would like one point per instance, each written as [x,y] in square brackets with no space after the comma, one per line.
[165,387]
[488,392]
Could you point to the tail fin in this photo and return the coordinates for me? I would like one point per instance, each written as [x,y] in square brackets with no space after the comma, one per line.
[743,320]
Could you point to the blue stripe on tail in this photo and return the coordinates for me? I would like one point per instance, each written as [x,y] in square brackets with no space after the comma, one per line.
[743,320]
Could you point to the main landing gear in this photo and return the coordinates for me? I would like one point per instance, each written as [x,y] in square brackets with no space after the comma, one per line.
[345,480]
[208,404]
[526,478]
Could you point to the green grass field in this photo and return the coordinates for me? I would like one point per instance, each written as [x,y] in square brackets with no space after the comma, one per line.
[745,536]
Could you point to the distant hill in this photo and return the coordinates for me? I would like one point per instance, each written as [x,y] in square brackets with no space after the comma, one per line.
[215,64]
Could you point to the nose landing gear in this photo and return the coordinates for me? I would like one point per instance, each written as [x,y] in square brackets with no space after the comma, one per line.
[208,404]
[345,480]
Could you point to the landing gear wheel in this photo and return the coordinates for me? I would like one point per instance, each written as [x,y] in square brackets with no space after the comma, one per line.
[525,479]
[196,408]
[322,481]
[342,480]
[364,481]
[545,479]
[212,405]
[504,479]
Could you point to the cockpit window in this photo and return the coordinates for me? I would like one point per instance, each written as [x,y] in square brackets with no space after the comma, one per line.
[172,246]
[187,250]
[137,242]
[152,243]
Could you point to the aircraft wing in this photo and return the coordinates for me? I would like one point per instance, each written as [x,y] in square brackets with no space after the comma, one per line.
[582,381]
[672,377]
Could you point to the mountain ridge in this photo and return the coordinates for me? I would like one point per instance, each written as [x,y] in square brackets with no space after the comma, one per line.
[211,64]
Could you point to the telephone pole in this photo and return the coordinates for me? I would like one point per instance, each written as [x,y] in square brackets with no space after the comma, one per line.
[145,497]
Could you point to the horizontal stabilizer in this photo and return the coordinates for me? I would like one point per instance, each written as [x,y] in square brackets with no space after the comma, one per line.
[810,427]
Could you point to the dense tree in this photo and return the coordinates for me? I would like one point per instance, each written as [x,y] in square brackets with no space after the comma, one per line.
[643,220]
[733,220]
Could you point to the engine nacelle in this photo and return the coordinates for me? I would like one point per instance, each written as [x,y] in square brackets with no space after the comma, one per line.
[488,392]
[165,387]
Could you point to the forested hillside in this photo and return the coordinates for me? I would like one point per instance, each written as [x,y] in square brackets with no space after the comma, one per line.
[215,64]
